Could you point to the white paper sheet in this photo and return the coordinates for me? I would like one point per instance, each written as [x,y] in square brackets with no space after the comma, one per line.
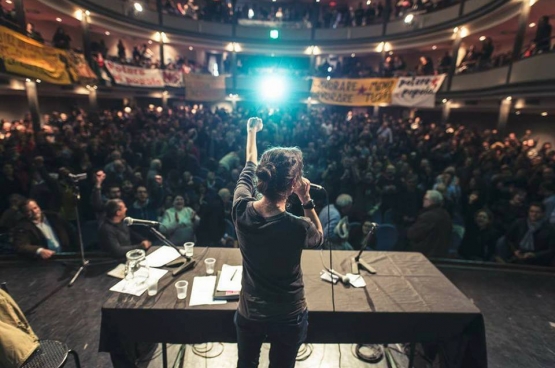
[118,272]
[161,256]
[127,287]
[356,280]
[202,292]
[230,278]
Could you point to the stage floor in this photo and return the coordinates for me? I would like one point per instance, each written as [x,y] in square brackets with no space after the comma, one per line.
[518,308]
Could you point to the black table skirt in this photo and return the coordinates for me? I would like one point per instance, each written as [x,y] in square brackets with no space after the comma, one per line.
[408,300]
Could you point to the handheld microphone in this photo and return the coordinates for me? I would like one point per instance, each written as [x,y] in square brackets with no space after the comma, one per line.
[316,187]
[344,279]
[131,221]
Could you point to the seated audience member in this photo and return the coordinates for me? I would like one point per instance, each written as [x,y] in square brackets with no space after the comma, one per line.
[342,207]
[211,227]
[42,234]
[12,215]
[115,237]
[507,212]
[178,222]
[479,238]
[431,233]
[531,240]
[17,339]
[146,208]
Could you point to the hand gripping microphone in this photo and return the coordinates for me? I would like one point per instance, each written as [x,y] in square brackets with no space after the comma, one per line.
[131,221]
[316,187]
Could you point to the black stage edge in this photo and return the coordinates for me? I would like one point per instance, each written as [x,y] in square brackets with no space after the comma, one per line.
[517,305]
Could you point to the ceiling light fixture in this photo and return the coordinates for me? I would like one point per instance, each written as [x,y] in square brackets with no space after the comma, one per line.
[482,38]
[532,25]
[58,19]
[509,98]
[190,48]
[138,7]
[434,47]
[544,113]
[107,33]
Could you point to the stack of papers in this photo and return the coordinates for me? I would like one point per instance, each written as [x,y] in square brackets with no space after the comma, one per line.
[230,278]
[130,287]
[203,291]
[162,256]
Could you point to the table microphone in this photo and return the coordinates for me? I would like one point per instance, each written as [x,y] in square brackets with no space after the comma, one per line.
[131,221]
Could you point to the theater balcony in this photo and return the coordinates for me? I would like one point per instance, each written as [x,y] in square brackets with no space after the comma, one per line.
[420,27]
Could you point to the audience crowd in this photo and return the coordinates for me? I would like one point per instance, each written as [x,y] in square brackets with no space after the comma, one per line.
[446,190]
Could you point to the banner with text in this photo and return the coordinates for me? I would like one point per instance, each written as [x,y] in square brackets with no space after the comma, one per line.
[353,92]
[204,87]
[134,76]
[173,78]
[417,91]
[22,55]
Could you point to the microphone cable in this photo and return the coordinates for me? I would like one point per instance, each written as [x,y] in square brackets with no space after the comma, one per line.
[327,243]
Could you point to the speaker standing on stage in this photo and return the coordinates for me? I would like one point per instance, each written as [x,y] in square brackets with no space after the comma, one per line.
[272,305]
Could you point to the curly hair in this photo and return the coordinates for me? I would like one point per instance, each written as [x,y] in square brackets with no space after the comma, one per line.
[278,170]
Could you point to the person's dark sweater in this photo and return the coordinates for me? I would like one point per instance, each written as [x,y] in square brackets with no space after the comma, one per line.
[544,242]
[478,244]
[118,239]
[431,233]
[272,285]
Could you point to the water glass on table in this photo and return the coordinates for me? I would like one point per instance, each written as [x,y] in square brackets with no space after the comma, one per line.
[210,262]
[189,249]
[152,286]
[181,288]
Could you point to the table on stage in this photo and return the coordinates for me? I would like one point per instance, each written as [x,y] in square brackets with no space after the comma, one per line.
[408,300]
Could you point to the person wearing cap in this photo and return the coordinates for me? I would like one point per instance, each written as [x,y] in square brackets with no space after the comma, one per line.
[431,232]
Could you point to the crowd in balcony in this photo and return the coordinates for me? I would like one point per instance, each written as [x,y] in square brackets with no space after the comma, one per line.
[302,14]
[443,190]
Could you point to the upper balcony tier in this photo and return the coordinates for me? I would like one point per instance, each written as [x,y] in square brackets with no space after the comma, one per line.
[425,28]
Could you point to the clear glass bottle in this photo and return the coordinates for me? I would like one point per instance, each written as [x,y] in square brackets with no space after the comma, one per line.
[136,267]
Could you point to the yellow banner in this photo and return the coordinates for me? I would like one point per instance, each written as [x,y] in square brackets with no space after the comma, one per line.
[353,92]
[203,87]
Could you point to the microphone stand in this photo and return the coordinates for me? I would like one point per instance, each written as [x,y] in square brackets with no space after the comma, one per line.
[357,263]
[187,265]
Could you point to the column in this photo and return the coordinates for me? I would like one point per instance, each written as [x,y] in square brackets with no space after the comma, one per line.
[376,111]
[165,99]
[20,18]
[160,14]
[234,72]
[504,111]
[454,57]
[522,26]
[445,112]
[93,99]
[162,58]
[33,101]
[86,37]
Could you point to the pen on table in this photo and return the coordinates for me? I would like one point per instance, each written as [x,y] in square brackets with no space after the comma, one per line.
[232,276]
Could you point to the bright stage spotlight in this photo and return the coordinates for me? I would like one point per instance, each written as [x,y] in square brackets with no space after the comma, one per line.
[272,88]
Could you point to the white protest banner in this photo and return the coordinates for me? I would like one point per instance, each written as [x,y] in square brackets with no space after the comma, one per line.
[173,78]
[417,91]
[134,76]
[204,87]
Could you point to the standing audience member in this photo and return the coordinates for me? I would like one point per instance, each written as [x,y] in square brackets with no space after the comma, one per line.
[542,40]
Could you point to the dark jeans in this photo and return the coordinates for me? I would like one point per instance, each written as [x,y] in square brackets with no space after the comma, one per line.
[285,338]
